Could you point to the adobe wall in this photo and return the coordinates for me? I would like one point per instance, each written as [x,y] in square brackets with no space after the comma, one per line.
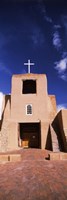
[4,122]
[38,100]
[14,111]
[44,133]
[64,121]
[60,126]
[8,128]
[12,132]
[52,109]
[64,117]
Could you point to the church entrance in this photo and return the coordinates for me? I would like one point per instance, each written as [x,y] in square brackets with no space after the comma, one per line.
[30,135]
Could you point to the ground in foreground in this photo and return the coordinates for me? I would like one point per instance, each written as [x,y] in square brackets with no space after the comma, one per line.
[33,178]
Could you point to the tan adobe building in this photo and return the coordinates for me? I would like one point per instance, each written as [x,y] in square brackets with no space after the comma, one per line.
[29,116]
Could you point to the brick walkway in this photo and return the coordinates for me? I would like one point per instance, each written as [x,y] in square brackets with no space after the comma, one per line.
[34,178]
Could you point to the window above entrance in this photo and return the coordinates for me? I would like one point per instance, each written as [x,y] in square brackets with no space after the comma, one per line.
[29,109]
[29,87]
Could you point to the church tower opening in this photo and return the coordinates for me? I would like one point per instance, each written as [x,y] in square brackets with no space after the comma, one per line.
[29,87]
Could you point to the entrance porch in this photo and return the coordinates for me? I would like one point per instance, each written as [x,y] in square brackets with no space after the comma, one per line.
[30,135]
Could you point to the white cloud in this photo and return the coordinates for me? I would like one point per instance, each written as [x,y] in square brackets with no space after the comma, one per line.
[61,66]
[63,77]
[48,19]
[42,9]
[1,104]
[5,69]
[57,26]
[61,106]
[57,40]
[64,54]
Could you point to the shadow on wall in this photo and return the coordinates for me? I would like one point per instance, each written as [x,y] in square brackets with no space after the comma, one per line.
[7,98]
[58,128]
[49,141]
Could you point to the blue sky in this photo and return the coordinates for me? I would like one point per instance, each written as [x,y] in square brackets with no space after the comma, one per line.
[35,30]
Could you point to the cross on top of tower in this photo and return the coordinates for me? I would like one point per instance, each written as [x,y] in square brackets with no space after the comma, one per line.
[29,65]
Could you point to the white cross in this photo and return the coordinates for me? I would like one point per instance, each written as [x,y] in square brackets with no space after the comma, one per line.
[29,64]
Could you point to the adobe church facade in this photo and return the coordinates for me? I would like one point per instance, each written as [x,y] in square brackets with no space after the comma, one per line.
[29,116]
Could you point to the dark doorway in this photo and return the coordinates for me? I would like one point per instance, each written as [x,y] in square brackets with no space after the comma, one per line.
[30,135]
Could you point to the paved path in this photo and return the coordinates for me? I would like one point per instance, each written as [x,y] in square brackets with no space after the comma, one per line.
[34,178]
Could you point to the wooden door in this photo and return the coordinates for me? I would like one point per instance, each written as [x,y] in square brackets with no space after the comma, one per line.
[33,141]
[30,140]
